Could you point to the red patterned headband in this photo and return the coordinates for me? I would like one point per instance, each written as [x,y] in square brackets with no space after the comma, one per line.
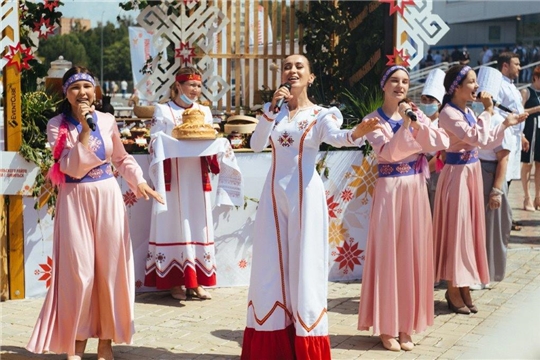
[186,77]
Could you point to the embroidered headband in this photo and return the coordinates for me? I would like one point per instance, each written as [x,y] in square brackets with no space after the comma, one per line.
[77,77]
[462,73]
[390,71]
[185,77]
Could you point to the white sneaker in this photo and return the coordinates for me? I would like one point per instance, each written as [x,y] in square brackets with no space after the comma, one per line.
[477,287]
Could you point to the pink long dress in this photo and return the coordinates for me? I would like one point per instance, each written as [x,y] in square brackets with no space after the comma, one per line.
[93,287]
[459,216]
[397,281]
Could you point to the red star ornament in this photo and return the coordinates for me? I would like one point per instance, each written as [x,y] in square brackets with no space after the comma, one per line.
[398,5]
[19,57]
[185,52]
[398,58]
[44,28]
[50,5]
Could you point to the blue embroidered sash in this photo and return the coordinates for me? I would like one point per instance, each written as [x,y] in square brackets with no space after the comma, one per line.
[462,158]
[399,169]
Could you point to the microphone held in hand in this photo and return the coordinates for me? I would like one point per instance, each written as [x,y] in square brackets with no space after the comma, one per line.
[280,102]
[90,121]
[498,104]
[409,112]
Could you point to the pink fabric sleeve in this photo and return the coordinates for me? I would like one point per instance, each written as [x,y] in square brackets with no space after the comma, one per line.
[429,136]
[125,163]
[453,121]
[391,147]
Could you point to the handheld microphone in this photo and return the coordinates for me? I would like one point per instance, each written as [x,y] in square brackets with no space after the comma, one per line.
[90,121]
[409,112]
[280,102]
[498,104]
[501,106]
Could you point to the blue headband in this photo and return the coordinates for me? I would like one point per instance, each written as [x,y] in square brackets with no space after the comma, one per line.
[390,71]
[77,77]
[462,73]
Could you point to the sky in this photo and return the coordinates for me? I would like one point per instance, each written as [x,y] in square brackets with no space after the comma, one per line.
[95,10]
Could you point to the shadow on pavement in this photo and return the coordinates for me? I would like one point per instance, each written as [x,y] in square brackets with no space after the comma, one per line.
[232,335]
[121,352]
[158,298]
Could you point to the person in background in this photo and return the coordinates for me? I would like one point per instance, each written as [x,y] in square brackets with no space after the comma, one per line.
[487,55]
[93,286]
[123,88]
[531,142]
[464,57]
[181,249]
[397,282]
[459,217]
[430,102]
[437,58]
[509,96]
[494,162]
[287,300]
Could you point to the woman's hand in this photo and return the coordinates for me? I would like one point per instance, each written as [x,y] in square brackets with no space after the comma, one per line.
[487,101]
[514,119]
[282,92]
[495,198]
[403,108]
[146,190]
[366,126]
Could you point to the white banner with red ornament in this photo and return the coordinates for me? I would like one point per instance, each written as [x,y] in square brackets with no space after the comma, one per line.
[349,189]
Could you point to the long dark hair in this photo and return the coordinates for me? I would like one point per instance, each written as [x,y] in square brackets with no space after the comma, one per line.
[451,75]
[65,107]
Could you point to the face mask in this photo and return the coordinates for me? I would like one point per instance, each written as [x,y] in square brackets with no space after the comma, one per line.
[185,99]
[429,109]
[477,107]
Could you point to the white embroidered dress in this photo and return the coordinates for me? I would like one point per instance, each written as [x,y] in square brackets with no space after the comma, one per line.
[181,245]
[287,301]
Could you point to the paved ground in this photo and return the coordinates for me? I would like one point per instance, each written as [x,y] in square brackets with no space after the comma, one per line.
[505,327]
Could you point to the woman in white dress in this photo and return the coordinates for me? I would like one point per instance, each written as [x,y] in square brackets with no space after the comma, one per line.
[287,301]
[181,245]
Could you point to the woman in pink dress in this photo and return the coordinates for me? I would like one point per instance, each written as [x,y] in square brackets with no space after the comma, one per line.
[92,292]
[397,282]
[459,220]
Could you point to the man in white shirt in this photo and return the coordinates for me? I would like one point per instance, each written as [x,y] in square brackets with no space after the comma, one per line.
[509,96]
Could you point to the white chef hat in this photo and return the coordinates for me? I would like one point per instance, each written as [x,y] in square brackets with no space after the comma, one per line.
[490,80]
[434,85]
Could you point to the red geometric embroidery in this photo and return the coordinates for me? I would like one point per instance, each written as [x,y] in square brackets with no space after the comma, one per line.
[46,271]
[242,264]
[346,195]
[286,139]
[349,256]
[302,124]
[332,207]
[130,198]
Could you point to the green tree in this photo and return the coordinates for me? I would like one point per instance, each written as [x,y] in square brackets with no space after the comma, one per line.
[69,46]
[339,47]
[117,61]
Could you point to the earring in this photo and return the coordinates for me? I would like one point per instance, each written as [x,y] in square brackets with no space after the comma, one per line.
[309,84]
